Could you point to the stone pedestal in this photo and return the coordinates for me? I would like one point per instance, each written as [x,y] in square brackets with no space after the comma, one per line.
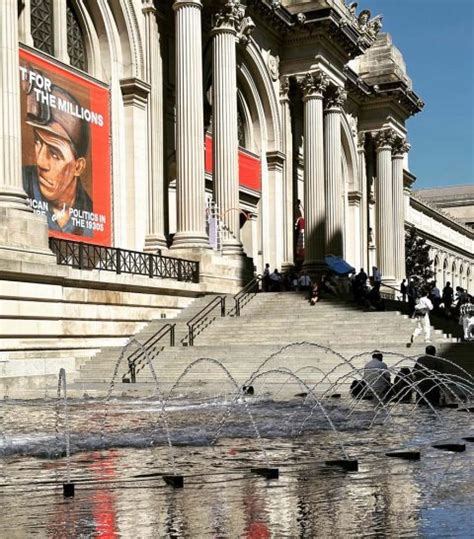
[313,86]
[190,185]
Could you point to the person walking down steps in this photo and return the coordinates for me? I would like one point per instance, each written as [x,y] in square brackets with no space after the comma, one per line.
[422,317]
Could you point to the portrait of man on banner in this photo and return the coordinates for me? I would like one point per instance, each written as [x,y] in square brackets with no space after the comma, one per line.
[54,180]
[66,149]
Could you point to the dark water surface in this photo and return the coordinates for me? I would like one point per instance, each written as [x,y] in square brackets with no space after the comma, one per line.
[119,457]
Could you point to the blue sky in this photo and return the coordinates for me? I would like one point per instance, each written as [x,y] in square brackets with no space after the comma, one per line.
[436,38]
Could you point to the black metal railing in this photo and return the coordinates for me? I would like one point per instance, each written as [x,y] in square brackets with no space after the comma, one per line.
[88,256]
[385,295]
[245,295]
[201,320]
[137,360]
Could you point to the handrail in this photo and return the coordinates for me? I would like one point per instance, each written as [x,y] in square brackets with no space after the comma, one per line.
[243,297]
[88,256]
[202,314]
[136,360]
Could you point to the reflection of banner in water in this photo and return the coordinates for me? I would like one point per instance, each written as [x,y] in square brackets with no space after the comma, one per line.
[66,149]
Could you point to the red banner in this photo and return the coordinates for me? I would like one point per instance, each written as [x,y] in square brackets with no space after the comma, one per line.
[66,149]
[249,167]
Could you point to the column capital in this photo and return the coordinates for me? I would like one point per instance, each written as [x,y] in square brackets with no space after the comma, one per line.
[148,6]
[187,3]
[313,84]
[336,99]
[361,138]
[384,139]
[228,17]
[400,148]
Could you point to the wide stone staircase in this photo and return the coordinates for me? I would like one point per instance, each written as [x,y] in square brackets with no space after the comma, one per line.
[311,341]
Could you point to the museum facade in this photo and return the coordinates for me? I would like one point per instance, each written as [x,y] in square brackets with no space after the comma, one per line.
[229,133]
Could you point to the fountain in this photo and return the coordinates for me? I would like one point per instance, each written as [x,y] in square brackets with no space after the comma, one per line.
[218,437]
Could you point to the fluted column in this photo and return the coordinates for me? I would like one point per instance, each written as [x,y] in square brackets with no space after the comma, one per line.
[385,233]
[364,209]
[11,186]
[313,86]
[287,149]
[400,149]
[155,237]
[224,116]
[190,193]
[334,182]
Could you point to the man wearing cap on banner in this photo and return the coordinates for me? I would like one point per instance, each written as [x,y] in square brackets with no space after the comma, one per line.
[53,184]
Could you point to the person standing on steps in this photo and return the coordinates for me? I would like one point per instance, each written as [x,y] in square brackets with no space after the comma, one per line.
[266,278]
[412,295]
[422,317]
[447,298]
[404,290]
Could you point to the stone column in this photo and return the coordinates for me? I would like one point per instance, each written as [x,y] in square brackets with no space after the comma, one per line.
[334,183]
[60,30]
[400,149]
[385,234]
[11,186]
[287,149]
[20,228]
[224,118]
[190,186]
[313,86]
[155,238]
[364,208]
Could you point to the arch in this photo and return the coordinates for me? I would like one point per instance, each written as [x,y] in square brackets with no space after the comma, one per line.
[250,57]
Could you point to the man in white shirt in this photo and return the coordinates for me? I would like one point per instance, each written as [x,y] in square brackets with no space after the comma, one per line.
[377,375]
[422,317]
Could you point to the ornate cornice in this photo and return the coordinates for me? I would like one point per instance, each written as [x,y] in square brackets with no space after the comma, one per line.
[384,139]
[313,84]
[336,98]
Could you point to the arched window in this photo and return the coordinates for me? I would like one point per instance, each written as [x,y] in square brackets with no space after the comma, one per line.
[42,25]
[75,39]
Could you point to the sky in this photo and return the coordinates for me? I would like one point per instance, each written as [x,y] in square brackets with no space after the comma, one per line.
[436,39]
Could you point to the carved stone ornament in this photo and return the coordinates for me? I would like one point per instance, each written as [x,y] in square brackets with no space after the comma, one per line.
[246,29]
[337,98]
[400,147]
[369,26]
[284,86]
[361,136]
[300,18]
[275,4]
[273,63]
[229,16]
[384,138]
[313,84]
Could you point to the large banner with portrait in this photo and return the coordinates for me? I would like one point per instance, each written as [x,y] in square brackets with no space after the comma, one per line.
[66,149]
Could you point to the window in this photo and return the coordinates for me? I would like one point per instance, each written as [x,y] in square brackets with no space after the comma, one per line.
[42,25]
[75,40]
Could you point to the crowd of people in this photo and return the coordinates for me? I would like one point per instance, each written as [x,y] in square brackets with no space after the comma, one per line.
[422,298]
[422,380]
[455,305]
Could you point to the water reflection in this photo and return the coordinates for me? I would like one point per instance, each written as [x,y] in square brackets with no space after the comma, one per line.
[120,493]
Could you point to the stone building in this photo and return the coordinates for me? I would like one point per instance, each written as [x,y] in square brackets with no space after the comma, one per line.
[214,129]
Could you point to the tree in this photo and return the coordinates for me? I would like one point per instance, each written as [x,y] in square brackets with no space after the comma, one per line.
[417,257]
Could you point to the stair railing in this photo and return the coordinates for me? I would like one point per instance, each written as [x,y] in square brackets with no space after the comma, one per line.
[201,318]
[247,293]
[394,288]
[137,360]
